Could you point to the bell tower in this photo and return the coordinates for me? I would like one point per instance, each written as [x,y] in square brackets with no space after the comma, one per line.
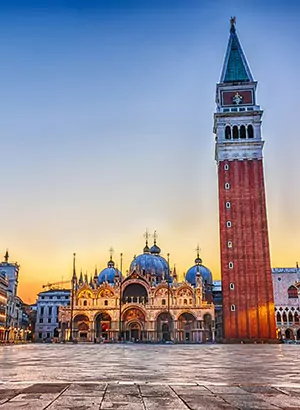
[248,306]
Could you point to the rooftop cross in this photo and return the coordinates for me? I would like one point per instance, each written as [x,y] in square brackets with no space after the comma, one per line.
[146,235]
[155,237]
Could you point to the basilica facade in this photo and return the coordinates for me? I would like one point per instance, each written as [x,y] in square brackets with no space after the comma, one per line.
[148,304]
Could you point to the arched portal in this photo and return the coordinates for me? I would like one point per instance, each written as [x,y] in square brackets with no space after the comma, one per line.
[288,334]
[102,326]
[135,293]
[81,327]
[164,326]
[207,324]
[134,324]
[186,325]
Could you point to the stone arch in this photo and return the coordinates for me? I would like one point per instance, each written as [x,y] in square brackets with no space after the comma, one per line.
[134,320]
[135,293]
[289,334]
[207,325]
[164,326]
[81,327]
[228,132]
[186,323]
[102,325]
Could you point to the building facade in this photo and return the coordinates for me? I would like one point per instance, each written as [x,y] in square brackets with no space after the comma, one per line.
[47,309]
[286,283]
[248,303]
[15,321]
[3,304]
[149,304]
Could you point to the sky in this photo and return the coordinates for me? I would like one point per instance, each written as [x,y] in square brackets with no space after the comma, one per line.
[106,129]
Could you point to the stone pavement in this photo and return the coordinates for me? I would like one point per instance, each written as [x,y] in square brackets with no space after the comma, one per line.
[146,396]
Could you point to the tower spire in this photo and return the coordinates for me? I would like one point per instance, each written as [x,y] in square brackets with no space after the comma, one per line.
[235,67]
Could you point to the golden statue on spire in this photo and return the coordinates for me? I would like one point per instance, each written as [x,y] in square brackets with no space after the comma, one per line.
[232,21]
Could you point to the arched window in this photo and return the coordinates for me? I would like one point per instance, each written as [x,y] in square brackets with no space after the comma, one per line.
[250,131]
[296,317]
[292,292]
[284,318]
[227,132]
[163,302]
[235,132]
[278,317]
[185,302]
[243,131]
[84,303]
[105,302]
[291,319]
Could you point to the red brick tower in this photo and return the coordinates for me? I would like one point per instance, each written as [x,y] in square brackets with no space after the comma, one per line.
[248,306]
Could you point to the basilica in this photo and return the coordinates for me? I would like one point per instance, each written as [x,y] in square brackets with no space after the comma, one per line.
[148,304]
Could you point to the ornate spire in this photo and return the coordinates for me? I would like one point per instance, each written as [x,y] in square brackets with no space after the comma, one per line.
[198,260]
[111,263]
[235,68]
[6,256]
[96,273]
[232,24]
[146,236]
[81,278]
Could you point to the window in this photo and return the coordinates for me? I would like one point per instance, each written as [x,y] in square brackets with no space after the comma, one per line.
[291,319]
[228,205]
[105,302]
[50,310]
[50,297]
[40,335]
[229,244]
[227,185]
[226,167]
[163,302]
[66,297]
[231,286]
[42,297]
[42,310]
[235,132]
[232,308]
[57,310]
[227,132]
[84,303]
[191,301]
[185,302]
[48,335]
[278,317]
[292,292]
[41,320]
[49,320]
[228,224]
[230,265]
[243,131]
[250,131]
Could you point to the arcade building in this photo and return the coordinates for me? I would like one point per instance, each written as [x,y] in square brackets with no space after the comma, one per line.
[149,304]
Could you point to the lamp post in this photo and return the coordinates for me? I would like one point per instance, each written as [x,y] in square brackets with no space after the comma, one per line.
[72,298]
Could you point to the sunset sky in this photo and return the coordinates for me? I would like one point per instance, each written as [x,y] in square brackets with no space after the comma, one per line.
[106,129]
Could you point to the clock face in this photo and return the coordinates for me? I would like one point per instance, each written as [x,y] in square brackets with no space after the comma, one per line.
[237,97]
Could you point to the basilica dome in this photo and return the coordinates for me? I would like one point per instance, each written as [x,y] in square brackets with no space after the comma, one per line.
[108,274]
[150,262]
[194,270]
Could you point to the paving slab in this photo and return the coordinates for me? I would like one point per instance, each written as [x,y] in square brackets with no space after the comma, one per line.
[107,405]
[122,398]
[282,401]
[155,403]
[75,403]
[191,390]
[247,402]
[206,402]
[85,390]
[226,390]
[157,391]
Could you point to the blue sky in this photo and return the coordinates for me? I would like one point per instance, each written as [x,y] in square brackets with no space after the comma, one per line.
[106,128]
